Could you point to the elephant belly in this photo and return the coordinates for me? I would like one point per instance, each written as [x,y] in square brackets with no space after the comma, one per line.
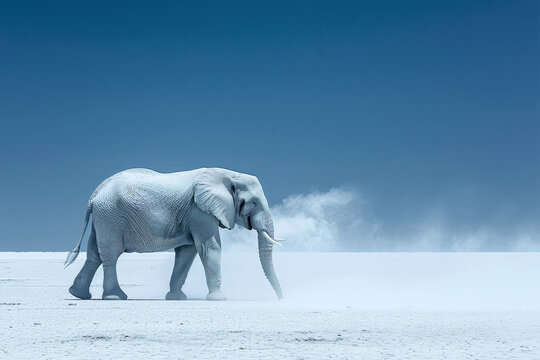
[153,244]
[153,230]
[150,234]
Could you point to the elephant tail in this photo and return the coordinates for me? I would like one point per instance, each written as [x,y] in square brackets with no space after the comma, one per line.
[75,252]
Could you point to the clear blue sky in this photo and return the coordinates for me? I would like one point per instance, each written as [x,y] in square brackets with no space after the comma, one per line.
[418,104]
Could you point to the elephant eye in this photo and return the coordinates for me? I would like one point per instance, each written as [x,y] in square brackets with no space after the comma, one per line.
[250,206]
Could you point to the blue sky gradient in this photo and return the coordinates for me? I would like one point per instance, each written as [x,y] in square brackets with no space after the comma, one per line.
[420,105]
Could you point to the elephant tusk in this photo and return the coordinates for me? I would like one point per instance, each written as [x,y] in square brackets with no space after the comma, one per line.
[267,237]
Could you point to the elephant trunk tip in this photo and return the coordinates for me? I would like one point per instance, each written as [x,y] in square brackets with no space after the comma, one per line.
[265,255]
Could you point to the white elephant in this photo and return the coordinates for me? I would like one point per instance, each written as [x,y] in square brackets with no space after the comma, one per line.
[141,210]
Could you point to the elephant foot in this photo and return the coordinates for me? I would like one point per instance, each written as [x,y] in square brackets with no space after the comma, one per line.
[216,296]
[114,294]
[176,295]
[81,294]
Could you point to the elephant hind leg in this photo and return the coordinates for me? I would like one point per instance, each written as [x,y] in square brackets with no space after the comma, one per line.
[111,288]
[110,246]
[81,284]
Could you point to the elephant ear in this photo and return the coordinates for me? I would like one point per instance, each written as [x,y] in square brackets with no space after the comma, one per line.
[212,195]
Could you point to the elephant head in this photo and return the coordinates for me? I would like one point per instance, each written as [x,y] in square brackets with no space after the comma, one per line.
[236,198]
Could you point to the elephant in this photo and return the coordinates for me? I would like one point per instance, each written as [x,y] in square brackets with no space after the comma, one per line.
[141,210]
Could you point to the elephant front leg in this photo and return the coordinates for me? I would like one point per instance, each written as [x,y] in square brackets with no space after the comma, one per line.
[209,249]
[183,260]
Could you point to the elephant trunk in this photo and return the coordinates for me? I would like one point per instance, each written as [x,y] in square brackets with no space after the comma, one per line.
[265,223]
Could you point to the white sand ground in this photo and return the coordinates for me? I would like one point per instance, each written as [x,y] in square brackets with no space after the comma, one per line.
[337,305]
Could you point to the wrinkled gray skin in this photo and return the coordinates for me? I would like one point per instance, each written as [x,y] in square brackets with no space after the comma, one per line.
[140,210]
